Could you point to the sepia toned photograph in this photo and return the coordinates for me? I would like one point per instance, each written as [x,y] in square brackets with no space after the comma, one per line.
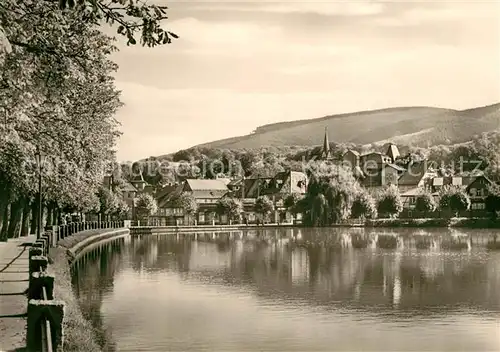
[254,176]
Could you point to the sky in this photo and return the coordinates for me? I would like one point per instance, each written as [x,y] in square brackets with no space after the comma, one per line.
[239,65]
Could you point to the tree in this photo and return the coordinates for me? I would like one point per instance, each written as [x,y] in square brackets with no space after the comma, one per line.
[188,203]
[454,199]
[264,206]
[121,209]
[145,206]
[330,194]
[389,202]
[492,201]
[107,202]
[231,207]
[129,16]
[364,206]
[425,203]
[292,202]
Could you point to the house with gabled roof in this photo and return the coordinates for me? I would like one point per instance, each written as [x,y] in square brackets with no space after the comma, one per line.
[416,176]
[476,187]
[206,193]
[375,170]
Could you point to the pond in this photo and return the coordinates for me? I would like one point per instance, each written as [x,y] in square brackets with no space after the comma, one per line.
[295,290]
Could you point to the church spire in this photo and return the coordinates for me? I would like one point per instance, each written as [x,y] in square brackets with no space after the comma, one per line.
[326,145]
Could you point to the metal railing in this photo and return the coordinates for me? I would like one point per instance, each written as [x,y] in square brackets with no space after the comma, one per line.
[46,330]
[64,231]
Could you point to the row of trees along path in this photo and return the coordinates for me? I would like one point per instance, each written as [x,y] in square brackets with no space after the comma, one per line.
[58,97]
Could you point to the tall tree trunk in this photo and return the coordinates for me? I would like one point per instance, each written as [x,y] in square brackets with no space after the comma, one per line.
[26,217]
[34,215]
[5,223]
[55,218]
[16,212]
[3,206]
[50,208]
[43,217]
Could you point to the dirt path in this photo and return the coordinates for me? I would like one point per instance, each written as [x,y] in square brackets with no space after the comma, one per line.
[13,284]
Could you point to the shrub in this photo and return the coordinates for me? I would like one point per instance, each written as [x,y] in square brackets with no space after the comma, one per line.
[454,199]
[364,206]
[425,203]
[389,202]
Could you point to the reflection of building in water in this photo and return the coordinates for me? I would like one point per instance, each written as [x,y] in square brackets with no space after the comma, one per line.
[300,265]
[432,265]
[205,256]
[396,292]
[152,253]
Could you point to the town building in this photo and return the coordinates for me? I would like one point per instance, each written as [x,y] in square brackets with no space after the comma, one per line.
[375,170]
[206,194]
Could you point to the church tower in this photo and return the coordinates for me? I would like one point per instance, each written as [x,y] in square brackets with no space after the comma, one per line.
[325,151]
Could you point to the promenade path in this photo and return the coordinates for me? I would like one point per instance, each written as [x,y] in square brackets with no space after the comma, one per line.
[13,285]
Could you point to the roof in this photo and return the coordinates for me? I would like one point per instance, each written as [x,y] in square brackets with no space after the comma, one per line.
[393,151]
[172,196]
[206,185]
[235,182]
[128,187]
[358,172]
[138,178]
[165,190]
[468,181]
[397,167]
[412,192]
[209,194]
[372,153]
[355,152]
[413,175]
[226,180]
[326,144]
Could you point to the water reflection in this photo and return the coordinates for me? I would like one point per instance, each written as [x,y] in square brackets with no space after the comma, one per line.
[350,277]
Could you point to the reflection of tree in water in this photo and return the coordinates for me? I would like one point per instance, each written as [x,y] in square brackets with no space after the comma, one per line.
[159,253]
[95,278]
[362,277]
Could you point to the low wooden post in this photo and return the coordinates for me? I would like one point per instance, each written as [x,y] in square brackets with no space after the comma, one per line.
[39,280]
[37,263]
[38,312]
[47,236]
[35,251]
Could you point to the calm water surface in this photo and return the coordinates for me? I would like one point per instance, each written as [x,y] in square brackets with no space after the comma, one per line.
[295,290]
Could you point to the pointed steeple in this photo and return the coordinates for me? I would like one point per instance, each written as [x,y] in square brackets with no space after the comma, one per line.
[325,153]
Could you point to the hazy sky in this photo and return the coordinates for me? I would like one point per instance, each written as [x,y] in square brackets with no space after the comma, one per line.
[238,65]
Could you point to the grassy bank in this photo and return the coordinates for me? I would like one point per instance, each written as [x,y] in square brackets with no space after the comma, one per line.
[79,335]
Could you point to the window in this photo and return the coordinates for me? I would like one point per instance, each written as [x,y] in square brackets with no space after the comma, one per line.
[473,192]
[413,200]
[478,206]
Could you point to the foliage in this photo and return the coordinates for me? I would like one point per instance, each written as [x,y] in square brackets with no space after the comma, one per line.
[57,95]
[330,195]
[131,18]
[187,202]
[292,202]
[264,206]
[425,202]
[229,206]
[121,208]
[364,206]
[492,201]
[145,205]
[390,202]
[454,199]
